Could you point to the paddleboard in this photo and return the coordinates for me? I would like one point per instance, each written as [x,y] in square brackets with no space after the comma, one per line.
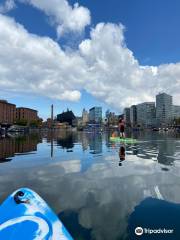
[125,140]
[24,215]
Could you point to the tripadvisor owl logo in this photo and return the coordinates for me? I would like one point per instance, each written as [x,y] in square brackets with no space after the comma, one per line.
[139,231]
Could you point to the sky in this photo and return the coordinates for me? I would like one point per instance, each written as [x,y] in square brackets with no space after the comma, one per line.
[77,55]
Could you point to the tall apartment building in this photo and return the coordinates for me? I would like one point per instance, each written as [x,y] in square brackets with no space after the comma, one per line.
[107,113]
[133,115]
[146,114]
[127,116]
[7,112]
[176,111]
[95,115]
[27,114]
[85,117]
[164,109]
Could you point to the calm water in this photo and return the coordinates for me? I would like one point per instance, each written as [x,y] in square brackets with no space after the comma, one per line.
[80,175]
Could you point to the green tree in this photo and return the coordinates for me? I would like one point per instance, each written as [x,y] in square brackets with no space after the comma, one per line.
[177,121]
[35,123]
[21,122]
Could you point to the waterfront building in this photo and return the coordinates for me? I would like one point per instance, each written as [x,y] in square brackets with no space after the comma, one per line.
[66,117]
[63,125]
[85,117]
[164,109]
[26,114]
[48,123]
[107,113]
[95,115]
[77,122]
[176,112]
[106,118]
[7,112]
[121,116]
[133,115]
[112,119]
[146,114]
[127,116]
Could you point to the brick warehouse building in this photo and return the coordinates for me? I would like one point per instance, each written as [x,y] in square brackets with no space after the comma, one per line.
[27,114]
[7,112]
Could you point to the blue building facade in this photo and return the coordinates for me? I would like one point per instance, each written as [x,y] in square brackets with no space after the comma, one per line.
[95,115]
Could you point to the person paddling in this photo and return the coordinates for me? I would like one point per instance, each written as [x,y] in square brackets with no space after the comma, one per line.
[121,128]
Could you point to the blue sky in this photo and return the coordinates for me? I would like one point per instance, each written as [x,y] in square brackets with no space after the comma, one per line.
[152,27]
[151,33]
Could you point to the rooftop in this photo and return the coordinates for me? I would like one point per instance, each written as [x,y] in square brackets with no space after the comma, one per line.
[6,102]
[27,108]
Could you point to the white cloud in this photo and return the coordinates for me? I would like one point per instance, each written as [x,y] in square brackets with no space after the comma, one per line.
[115,75]
[36,65]
[7,6]
[103,66]
[65,17]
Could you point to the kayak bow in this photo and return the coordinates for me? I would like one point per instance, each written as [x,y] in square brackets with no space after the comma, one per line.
[25,215]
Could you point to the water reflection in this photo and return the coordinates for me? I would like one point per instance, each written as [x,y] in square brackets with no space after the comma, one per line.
[92,195]
[122,154]
[11,146]
[95,143]
[156,215]
[161,149]
[65,140]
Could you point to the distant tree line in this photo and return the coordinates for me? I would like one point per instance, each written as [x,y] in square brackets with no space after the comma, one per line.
[177,121]
[32,123]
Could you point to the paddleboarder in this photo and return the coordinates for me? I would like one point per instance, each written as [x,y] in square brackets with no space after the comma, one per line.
[121,128]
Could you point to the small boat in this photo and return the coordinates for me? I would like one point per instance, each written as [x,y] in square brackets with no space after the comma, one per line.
[17,129]
[24,215]
[124,140]
[2,131]
[155,129]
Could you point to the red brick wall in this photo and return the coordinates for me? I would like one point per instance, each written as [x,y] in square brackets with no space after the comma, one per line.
[7,112]
[26,114]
